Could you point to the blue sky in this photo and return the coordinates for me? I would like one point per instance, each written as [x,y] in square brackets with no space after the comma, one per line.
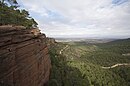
[81,18]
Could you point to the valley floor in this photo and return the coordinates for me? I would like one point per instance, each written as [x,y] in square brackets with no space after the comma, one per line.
[80,64]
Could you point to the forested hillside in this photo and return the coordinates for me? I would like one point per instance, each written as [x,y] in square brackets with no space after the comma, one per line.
[10,14]
[81,64]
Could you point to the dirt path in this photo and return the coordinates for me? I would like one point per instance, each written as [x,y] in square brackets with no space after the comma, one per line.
[116,65]
[63,49]
[127,54]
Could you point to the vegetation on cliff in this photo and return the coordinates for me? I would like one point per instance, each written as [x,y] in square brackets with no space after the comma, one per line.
[80,64]
[10,14]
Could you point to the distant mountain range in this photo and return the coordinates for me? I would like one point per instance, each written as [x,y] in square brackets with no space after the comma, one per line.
[84,40]
[96,40]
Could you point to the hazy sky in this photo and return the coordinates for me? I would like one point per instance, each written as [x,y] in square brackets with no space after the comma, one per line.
[81,18]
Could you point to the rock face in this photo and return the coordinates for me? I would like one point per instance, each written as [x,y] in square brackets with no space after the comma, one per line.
[24,59]
[50,41]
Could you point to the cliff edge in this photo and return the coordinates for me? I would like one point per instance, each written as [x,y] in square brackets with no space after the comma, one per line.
[24,58]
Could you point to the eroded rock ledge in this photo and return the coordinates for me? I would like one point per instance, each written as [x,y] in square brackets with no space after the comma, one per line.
[24,59]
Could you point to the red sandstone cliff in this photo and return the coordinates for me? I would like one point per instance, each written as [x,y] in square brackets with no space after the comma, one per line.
[24,59]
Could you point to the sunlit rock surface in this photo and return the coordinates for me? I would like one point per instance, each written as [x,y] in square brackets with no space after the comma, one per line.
[24,58]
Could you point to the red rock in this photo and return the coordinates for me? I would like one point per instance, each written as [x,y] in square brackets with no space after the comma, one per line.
[24,59]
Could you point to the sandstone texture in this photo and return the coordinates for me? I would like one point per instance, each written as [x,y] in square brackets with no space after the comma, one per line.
[24,58]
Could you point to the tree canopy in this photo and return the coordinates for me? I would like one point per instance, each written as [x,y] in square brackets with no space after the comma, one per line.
[11,15]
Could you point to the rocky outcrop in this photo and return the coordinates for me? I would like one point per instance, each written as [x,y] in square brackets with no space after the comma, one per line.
[50,41]
[24,59]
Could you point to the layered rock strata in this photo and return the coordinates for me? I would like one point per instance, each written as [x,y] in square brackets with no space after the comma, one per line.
[24,59]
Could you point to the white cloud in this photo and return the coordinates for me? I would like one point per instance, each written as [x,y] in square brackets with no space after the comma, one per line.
[81,17]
